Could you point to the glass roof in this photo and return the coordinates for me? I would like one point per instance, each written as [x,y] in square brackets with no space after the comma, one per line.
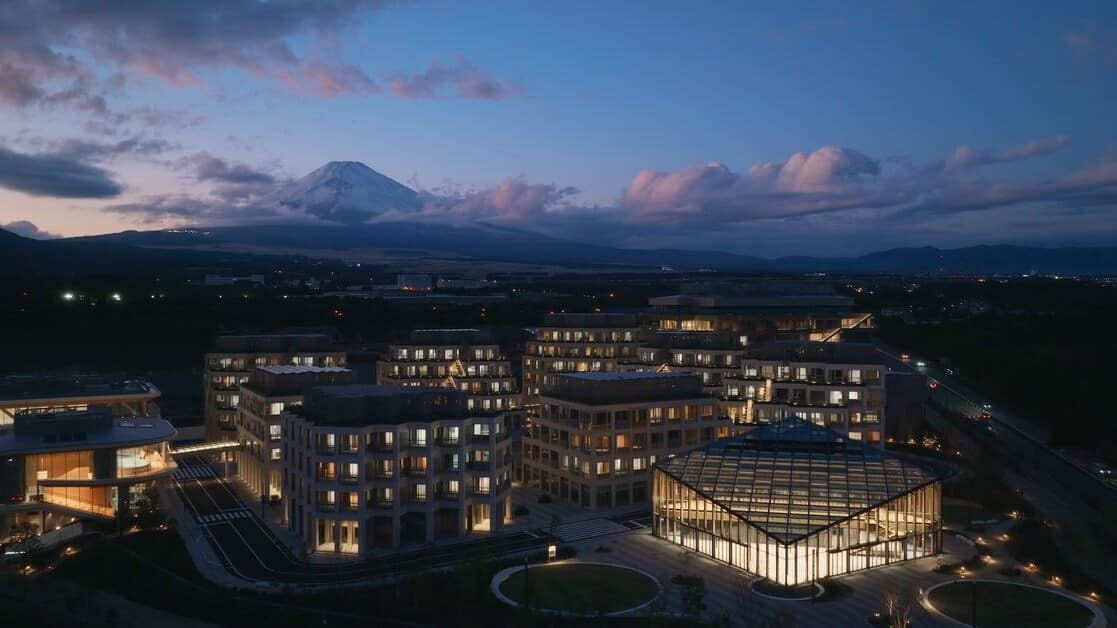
[793,478]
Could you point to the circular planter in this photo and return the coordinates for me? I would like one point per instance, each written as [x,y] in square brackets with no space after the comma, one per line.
[503,575]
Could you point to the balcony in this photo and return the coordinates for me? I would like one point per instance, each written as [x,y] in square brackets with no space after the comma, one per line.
[350,479]
[447,441]
[414,472]
[326,506]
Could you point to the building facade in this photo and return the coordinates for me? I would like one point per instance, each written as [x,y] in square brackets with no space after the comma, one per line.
[793,502]
[837,385]
[263,398]
[598,434]
[713,356]
[58,466]
[456,358]
[370,468]
[234,356]
[577,343]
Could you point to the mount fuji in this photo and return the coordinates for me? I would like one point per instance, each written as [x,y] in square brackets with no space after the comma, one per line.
[344,191]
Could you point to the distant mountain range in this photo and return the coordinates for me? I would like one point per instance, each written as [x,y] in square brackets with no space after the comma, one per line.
[106,253]
[352,193]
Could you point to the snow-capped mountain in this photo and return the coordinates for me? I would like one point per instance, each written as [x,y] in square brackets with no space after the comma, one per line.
[345,191]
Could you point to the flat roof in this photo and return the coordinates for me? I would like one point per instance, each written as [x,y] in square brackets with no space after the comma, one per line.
[120,433]
[357,405]
[823,352]
[16,389]
[632,387]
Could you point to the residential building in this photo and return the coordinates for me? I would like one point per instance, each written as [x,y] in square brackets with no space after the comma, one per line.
[370,467]
[794,503]
[839,385]
[233,357]
[463,359]
[268,392]
[598,434]
[712,356]
[59,465]
[577,343]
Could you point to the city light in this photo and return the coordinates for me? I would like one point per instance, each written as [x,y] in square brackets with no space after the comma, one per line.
[116,297]
[68,296]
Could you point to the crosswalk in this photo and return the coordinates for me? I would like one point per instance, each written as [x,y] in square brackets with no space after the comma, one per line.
[193,473]
[228,515]
[588,529]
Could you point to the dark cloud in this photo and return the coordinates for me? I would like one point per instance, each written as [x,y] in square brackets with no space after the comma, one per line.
[92,150]
[231,182]
[190,210]
[179,42]
[28,229]
[466,80]
[55,175]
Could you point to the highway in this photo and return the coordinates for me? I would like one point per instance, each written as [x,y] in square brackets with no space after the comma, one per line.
[1081,506]
[251,552]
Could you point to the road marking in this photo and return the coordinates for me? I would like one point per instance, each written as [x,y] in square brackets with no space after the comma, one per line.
[529,533]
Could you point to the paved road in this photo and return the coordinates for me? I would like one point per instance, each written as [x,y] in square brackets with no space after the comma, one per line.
[1081,506]
[250,551]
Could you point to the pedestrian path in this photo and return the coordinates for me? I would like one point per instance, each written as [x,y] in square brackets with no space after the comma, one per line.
[227,515]
[588,529]
[193,473]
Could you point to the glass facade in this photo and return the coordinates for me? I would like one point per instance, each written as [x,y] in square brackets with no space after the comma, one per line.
[794,502]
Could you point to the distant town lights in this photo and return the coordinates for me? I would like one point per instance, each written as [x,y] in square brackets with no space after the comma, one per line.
[116,297]
[67,296]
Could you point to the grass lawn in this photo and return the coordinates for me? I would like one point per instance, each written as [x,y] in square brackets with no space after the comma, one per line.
[1005,605]
[580,588]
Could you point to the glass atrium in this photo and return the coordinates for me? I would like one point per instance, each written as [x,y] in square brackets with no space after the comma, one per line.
[794,502]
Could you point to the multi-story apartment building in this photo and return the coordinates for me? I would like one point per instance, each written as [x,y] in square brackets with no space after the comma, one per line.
[234,356]
[712,356]
[369,467]
[462,359]
[268,392]
[781,313]
[837,385]
[598,434]
[577,343]
[59,465]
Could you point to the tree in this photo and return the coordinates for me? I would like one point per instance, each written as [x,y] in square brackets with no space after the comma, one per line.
[898,604]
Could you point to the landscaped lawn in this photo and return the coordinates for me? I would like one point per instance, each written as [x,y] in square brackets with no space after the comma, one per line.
[1006,605]
[580,588]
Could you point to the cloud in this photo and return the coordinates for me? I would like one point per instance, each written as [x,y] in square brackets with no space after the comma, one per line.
[28,229]
[827,179]
[92,150]
[1093,44]
[185,44]
[55,175]
[965,157]
[187,209]
[466,80]
[231,182]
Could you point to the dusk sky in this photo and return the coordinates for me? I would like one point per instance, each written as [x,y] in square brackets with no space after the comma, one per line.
[746,127]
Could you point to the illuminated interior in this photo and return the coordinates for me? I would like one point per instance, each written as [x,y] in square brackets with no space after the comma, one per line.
[794,502]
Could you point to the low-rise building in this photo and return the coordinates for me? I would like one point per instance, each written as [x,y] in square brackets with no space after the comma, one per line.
[268,392]
[370,467]
[61,465]
[838,385]
[598,434]
[121,398]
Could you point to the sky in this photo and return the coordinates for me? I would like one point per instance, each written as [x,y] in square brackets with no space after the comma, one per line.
[752,127]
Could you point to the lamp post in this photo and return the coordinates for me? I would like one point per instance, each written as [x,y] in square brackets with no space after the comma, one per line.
[973,604]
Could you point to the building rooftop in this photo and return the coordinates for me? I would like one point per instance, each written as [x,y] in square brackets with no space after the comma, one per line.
[793,478]
[824,352]
[86,429]
[590,320]
[18,389]
[285,340]
[355,405]
[622,387]
[288,380]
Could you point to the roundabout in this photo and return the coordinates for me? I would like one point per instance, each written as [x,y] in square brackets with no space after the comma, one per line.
[576,588]
[999,604]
